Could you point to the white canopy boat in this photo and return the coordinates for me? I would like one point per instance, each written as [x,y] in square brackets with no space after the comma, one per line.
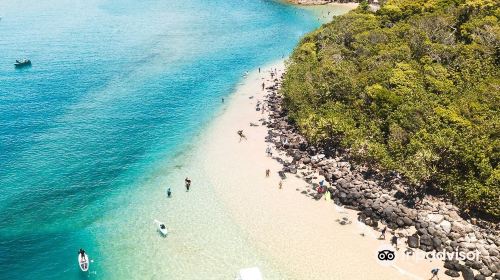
[252,273]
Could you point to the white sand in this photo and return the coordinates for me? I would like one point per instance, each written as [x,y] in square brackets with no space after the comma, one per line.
[296,232]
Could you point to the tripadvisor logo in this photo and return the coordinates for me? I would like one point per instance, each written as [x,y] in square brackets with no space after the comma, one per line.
[386,255]
[444,255]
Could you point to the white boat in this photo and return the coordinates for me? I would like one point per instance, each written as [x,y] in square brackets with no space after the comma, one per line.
[252,273]
[162,228]
[83,262]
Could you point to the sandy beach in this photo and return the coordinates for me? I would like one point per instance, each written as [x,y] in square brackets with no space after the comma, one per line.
[300,234]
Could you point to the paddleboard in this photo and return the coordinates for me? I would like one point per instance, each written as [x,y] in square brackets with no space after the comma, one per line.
[83,263]
[163,230]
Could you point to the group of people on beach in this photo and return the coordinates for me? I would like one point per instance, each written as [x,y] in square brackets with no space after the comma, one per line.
[187,184]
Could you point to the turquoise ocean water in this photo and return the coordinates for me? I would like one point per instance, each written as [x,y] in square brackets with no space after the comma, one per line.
[104,120]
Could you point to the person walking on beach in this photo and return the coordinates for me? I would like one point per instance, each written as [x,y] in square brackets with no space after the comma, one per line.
[169,193]
[242,136]
[187,182]
[382,236]
[268,172]
[394,241]
[281,184]
[434,273]
[269,151]
[263,85]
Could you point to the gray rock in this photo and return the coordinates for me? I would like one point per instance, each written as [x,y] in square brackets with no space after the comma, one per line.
[426,240]
[435,218]
[479,277]
[452,273]
[446,226]
[467,273]
[493,252]
[413,241]
[485,271]
[436,242]
[452,264]
[407,221]
[474,264]
[337,174]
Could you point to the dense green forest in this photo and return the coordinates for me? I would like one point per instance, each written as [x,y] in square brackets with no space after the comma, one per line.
[413,87]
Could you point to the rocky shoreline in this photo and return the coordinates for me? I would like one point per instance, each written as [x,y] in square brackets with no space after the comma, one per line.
[324,2]
[427,224]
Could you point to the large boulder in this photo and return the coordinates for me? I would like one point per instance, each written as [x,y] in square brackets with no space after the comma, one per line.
[436,242]
[435,218]
[452,273]
[458,228]
[407,221]
[426,240]
[485,271]
[467,273]
[446,226]
[337,174]
[413,241]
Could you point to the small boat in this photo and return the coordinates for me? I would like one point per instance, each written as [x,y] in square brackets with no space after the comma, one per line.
[252,273]
[22,63]
[83,262]
[162,228]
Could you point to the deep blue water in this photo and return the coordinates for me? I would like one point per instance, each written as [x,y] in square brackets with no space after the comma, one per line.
[115,87]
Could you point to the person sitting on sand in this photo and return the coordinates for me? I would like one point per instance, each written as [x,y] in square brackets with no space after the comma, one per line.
[242,136]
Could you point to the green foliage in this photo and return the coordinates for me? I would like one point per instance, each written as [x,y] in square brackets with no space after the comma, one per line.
[413,87]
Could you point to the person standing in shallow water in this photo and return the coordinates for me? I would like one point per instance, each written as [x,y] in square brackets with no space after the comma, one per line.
[187,182]
[169,193]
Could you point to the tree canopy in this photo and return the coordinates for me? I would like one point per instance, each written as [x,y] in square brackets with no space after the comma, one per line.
[413,87]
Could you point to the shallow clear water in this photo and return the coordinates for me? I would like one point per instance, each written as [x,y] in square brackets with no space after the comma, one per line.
[107,116]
